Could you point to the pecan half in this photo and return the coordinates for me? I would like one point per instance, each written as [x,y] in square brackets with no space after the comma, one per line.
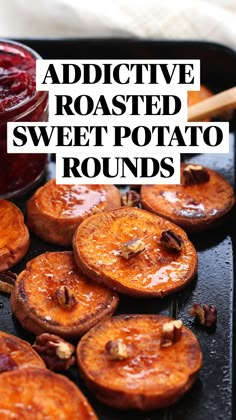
[171,241]
[130,198]
[7,281]
[206,314]
[195,174]
[7,363]
[171,333]
[64,297]
[116,349]
[132,248]
[56,352]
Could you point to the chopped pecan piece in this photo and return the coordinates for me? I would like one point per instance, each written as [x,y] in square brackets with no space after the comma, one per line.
[7,363]
[132,248]
[64,296]
[7,281]
[116,349]
[171,333]
[56,352]
[210,315]
[206,314]
[198,311]
[195,174]
[130,198]
[171,240]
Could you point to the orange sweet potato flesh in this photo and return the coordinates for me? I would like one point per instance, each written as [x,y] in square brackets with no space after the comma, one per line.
[193,207]
[20,352]
[34,303]
[152,376]
[14,238]
[55,211]
[153,272]
[37,394]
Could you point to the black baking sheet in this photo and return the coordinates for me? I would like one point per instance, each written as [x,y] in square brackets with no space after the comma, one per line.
[212,395]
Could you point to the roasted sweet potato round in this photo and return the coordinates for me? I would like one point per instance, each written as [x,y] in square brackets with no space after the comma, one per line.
[51,295]
[36,394]
[127,364]
[55,211]
[14,238]
[198,203]
[17,354]
[135,252]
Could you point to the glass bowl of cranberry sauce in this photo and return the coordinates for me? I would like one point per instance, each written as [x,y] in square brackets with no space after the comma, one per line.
[19,101]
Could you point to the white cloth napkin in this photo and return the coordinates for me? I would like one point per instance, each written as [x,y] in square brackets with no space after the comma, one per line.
[212,20]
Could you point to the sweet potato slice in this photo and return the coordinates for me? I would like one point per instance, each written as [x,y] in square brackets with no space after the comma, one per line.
[14,238]
[17,354]
[151,270]
[36,394]
[147,375]
[51,295]
[54,211]
[194,207]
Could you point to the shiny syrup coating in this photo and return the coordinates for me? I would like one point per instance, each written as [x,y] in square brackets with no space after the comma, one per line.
[154,271]
[70,200]
[150,374]
[55,211]
[35,394]
[190,206]
[34,304]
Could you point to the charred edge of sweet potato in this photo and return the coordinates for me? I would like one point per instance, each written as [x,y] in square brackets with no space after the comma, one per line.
[29,319]
[123,401]
[22,345]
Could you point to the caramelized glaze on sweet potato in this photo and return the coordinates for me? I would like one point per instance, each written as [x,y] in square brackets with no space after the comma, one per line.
[51,295]
[54,211]
[14,238]
[151,376]
[19,351]
[193,207]
[98,244]
[38,394]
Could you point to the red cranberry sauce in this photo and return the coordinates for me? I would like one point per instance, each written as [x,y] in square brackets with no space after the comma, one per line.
[19,101]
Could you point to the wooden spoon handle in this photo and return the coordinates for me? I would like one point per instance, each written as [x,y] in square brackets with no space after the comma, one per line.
[212,106]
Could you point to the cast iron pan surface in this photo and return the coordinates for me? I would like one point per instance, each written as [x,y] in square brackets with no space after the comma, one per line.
[211,397]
